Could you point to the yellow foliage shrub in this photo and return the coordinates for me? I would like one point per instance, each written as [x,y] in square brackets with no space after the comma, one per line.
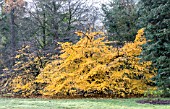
[90,67]
[28,63]
[23,85]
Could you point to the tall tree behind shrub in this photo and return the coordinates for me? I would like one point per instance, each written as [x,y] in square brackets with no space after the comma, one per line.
[156,16]
[120,18]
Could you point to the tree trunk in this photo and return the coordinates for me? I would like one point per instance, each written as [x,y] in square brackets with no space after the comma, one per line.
[13,35]
[44,30]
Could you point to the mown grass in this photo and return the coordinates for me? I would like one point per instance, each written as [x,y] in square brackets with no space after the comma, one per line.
[9,103]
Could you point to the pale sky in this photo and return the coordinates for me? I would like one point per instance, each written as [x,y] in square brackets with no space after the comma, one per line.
[96,2]
[102,1]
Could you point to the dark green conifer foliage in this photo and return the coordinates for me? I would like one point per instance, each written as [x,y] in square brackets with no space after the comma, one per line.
[157,17]
[120,19]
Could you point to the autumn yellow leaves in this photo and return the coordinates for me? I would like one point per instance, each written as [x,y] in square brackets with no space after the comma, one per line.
[90,68]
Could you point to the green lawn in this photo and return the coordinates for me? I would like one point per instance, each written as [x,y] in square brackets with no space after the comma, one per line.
[8,103]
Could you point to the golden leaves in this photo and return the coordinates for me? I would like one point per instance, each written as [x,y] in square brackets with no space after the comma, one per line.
[79,33]
[91,65]
[17,56]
